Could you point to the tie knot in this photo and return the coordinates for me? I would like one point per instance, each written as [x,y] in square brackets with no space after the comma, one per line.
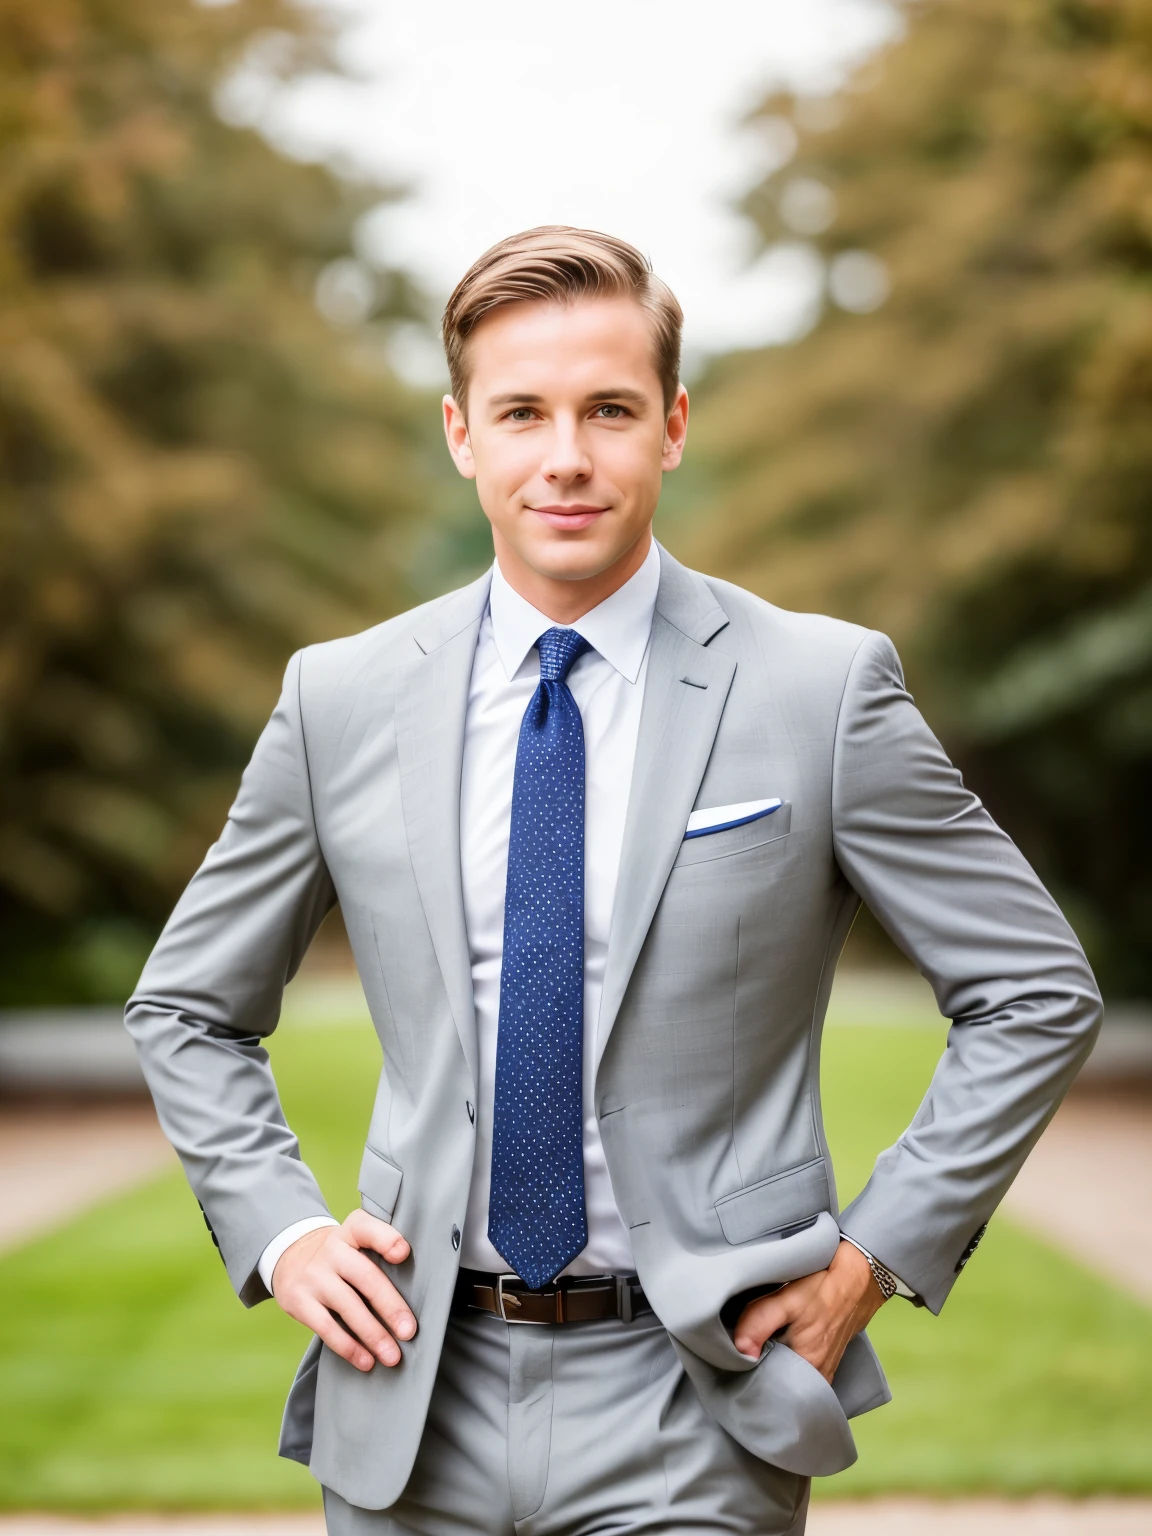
[559,648]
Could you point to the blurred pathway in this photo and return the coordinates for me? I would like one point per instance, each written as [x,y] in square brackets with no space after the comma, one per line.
[983,1517]
[1087,1188]
[880,1517]
[55,1163]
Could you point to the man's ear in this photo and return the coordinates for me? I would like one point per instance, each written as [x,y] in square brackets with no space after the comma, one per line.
[675,431]
[456,432]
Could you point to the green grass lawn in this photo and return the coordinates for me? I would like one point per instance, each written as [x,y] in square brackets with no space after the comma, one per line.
[1036,1375]
[131,1377]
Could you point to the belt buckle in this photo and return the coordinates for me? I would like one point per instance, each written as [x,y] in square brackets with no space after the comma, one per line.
[505,1299]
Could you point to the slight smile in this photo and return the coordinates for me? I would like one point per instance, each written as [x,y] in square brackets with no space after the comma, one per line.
[576,516]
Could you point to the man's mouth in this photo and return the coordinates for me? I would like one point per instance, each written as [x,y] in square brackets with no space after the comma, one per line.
[571,517]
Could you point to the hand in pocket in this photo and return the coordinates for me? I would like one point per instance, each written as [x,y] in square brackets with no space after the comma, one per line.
[816,1315]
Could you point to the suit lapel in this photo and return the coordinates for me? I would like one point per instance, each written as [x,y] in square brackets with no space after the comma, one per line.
[432,702]
[684,696]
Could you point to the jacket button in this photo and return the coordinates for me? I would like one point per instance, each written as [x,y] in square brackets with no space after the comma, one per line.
[471,1112]
[456,1237]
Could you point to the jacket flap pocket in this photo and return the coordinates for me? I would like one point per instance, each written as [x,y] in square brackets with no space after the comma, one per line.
[379,1184]
[767,1209]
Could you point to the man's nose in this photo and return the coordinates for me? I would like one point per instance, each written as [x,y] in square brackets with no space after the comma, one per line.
[567,458]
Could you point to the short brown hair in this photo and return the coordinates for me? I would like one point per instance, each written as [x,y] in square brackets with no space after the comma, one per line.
[557,264]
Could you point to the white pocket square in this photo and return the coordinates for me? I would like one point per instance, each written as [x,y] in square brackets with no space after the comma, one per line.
[717,818]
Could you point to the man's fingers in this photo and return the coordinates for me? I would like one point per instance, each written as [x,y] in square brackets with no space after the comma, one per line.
[370,1232]
[760,1320]
[383,1297]
[329,1284]
[322,1323]
[339,1297]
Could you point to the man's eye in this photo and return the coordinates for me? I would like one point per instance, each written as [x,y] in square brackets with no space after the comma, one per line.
[520,413]
[610,412]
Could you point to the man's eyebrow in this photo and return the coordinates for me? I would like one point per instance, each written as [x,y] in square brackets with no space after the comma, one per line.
[633,396]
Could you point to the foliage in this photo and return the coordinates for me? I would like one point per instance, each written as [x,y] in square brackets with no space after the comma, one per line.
[969,467]
[197,473]
[142,1382]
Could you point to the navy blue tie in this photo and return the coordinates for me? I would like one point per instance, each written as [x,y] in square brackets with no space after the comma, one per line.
[536,1218]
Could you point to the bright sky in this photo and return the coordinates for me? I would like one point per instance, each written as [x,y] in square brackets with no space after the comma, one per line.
[624,117]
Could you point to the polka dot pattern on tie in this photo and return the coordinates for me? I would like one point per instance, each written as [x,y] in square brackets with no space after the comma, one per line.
[536,1215]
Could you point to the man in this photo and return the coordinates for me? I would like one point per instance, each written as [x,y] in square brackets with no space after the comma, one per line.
[598,826]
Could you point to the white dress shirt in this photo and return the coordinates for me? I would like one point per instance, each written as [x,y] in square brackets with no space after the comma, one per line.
[608,686]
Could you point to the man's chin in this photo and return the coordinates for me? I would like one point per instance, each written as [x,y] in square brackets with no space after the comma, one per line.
[576,556]
[574,562]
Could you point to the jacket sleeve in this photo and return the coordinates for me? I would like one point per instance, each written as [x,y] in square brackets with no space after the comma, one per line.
[961,901]
[212,990]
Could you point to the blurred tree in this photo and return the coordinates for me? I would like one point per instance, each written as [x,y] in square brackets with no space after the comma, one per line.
[966,461]
[197,474]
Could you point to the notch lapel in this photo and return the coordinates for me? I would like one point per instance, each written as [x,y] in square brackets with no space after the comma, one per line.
[684,696]
[432,703]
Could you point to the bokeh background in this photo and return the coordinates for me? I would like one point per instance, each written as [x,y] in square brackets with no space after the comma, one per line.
[914,244]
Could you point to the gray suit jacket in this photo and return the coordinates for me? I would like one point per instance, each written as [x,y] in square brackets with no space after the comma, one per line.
[719,967]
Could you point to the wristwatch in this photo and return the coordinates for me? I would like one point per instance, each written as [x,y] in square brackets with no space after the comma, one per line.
[884,1278]
[890,1284]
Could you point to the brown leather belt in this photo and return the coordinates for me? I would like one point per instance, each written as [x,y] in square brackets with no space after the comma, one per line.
[570,1299]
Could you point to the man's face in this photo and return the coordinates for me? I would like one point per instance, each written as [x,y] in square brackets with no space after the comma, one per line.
[566,434]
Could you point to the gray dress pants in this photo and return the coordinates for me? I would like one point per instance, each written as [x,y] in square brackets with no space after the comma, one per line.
[570,1430]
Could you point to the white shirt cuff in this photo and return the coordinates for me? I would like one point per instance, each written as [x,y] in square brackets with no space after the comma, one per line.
[901,1288]
[271,1255]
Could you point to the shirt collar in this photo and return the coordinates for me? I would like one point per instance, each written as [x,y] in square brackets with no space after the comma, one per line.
[618,628]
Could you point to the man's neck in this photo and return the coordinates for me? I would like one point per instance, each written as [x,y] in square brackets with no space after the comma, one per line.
[567,601]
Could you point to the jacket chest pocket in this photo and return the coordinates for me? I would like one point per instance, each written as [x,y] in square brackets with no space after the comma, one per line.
[723,844]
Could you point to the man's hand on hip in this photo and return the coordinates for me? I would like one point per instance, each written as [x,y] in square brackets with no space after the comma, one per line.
[820,1313]
[324,1281]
